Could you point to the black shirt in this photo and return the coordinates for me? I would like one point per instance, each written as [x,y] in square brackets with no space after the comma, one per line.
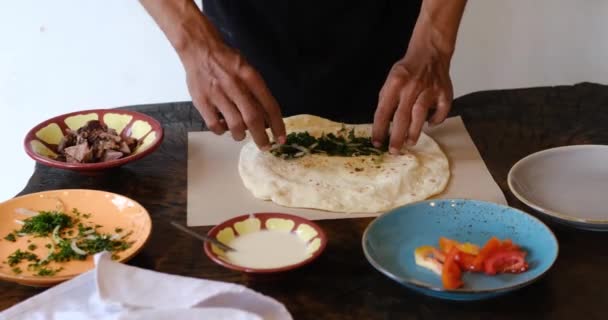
[328,58]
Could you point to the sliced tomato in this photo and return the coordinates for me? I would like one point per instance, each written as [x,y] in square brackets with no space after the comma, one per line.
[510,261]
[488,249]
[467,262]
[447,244]
[508,245]
[451,275]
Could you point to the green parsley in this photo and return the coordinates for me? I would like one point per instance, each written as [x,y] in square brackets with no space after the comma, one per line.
[32,247]
[10,237]
[17,270]
[16,257]
[44,223]
[48,272]
[344,143]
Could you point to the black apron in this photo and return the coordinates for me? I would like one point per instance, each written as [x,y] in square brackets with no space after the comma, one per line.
[327,58]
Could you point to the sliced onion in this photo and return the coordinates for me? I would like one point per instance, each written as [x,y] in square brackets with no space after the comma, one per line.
[116,236]
[314,145]
[26,212]
[89,231]
[299,154]
[76,249]
[21,234]
[275,146]
[303,149]
[377,151]
[91,237]
[17,221]
[56,237]
[60,205]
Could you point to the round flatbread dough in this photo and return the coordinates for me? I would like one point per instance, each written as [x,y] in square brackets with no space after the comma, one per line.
[344,184]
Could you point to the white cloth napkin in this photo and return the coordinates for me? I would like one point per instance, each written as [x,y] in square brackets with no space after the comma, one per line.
[118,291]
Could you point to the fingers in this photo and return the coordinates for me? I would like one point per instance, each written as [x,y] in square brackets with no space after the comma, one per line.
[253,115]
[212,119]
[387,104]
[402,119]
[419,113]
[231,114]
[268,103]
[444,104]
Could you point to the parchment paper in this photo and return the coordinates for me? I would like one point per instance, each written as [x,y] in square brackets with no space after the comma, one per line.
[216,193]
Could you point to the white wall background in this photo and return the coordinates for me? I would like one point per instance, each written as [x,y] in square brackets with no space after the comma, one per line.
[66,55]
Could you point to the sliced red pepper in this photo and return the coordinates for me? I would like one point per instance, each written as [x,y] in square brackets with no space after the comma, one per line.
[512,261]
[451,273]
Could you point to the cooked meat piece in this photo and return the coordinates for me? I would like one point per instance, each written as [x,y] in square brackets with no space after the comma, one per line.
[111,155]
[132,143]
[124,147]
[92,125]
[67,141]
[95,142]
[80,153]
[110,136]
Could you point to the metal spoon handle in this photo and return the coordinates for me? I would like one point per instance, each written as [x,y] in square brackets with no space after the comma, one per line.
[202,237]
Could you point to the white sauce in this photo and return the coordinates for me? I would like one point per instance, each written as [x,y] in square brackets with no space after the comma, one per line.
[267,249]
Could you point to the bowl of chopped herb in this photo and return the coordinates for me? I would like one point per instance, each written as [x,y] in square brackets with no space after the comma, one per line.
[51,236]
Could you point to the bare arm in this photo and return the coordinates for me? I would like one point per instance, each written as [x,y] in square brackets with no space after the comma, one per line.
[420,81]
[228,92]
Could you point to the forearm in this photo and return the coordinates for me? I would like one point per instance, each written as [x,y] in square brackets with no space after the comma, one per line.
[184,25]
[438,24]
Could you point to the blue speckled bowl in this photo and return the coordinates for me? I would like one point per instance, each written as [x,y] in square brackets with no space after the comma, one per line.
[390,240]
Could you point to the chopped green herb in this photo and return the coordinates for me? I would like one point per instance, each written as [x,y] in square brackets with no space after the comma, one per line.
[86,215]
[344,143]
[10,237]
[48,245]
[65,253]
[118,230]
[32,247]
[46,272]
[16,257]
[70,232]
[17,270]
[45,222]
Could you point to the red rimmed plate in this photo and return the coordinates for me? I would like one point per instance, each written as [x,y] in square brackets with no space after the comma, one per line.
[306,230]
[41,141]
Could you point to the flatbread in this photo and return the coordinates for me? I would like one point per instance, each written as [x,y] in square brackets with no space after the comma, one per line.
[344,184]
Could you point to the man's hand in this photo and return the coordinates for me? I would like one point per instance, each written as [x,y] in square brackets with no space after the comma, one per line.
[228,92]
[231,95]
[420,81]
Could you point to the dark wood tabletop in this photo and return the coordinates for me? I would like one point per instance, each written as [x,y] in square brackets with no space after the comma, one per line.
[506,125]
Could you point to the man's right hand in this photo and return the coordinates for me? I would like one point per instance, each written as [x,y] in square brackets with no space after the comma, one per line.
[228,92]
[231,95]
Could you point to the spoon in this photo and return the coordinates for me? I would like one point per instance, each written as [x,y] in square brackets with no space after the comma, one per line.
[202,237]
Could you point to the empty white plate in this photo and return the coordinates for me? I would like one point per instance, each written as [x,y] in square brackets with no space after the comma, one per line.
[569,184]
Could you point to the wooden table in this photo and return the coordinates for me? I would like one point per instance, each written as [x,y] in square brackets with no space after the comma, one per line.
[505,125]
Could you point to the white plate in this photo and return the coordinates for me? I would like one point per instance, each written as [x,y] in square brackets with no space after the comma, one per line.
[569,184]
